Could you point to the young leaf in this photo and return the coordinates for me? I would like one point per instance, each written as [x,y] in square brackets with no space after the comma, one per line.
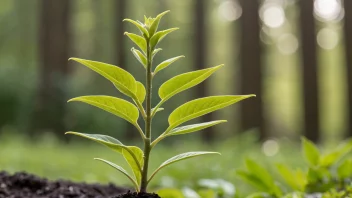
[333,157]
[155,52]
[198,107]
[116,106]
[291,177]
[154,25]
[134,157]
[105,140]
[180,157]
[166,63]
[121,78]
[344,170]
[139,56]
[139,26]
[310,152]
[123,171]
[138,40]
[157,37]
[140,92]
[261,173]
[193,127]
[252,179]
[184,81]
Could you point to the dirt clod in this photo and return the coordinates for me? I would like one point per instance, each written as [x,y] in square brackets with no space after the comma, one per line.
[24,185]
[138,195]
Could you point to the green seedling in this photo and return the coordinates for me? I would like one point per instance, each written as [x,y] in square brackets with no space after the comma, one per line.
[139,93]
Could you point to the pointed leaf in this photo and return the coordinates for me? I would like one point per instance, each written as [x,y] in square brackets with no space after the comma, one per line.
[123,171]
[252,180]
[260,172]
[134,157]
[108,141]
[193,127]
[166,63]
[140,92]
[139,26]
[201,106]
[157,37]
[344,170]
[155,24]
[121,78]
[291,177]
[116,106]
[333,157]
[180,157]
[138,40]
[311,152]
[184,81]
[155,52]
[140,57]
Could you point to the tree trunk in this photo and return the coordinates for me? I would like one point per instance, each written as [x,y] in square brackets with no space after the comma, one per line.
[309,67]
[251,68]
[54,32]
[200,54]
[121,6]
[348,50]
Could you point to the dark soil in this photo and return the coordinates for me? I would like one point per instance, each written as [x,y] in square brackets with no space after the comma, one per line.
[23,185]
[138,195]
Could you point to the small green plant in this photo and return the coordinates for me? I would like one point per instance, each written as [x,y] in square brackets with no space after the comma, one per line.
[328,173]
[137,159]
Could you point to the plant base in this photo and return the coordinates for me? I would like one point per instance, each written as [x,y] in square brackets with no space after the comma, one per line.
[23,185]
[138,195]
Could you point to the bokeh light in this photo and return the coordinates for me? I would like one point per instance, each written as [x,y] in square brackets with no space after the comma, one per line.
[230,10]
[270,147]
[273,15]
[327,10]
[327,38]
[287,44]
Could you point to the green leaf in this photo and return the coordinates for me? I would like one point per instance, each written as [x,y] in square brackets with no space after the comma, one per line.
[333,157]
[193,127]
[184,81]
[154,25]
[157,37]
[139,56]
[124,81]
[344,170]
[138,40]
[180,157]
[123,171]
[166,63]
[310,152]
[261,173]
[140,93]
[170,193]
[116,106]
[155,52]
[201,106]
[139,26]
[134,157]
[108,141]
[252,180]
[292,178]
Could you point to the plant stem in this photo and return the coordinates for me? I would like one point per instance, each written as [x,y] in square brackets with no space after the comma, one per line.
[148,121]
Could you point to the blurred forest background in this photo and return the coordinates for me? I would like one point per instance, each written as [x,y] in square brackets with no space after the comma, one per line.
[296,56]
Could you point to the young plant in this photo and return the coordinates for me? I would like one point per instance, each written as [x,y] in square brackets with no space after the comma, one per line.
[137,159]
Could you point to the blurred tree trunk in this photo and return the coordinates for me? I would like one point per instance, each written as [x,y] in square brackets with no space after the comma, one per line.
[200,54]
[49,111]
[309,67]
[251,68]
[121,6]
[348,50]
